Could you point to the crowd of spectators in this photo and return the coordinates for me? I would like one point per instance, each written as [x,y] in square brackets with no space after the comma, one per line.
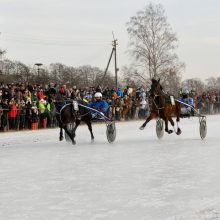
[26,106]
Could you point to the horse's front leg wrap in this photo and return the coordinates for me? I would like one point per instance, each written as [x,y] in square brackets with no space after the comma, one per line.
[178,129]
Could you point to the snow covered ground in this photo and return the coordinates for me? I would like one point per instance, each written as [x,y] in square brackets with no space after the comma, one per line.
[138,177]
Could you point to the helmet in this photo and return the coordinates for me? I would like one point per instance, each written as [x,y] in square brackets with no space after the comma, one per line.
[185,91]
[98,94]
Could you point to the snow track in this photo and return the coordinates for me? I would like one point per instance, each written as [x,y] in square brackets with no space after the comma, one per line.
[138,177]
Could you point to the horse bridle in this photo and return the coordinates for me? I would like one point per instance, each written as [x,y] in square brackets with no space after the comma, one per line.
[153,95]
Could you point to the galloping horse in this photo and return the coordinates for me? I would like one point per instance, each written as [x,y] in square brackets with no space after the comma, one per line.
[163,106]
[69,112]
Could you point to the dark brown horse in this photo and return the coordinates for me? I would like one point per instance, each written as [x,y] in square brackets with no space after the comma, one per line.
[163,106]
[69,112]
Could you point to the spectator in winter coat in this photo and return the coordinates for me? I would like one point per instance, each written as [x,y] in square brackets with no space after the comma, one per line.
[118,108]
[12,114]
[4,116]
[114,95]
[21,114]
[119,93]
[142,94]
[6,94]
[107,93]
[143,107]
[34,113]
[28,114]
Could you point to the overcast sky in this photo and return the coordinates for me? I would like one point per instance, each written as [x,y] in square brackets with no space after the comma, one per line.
[77,32]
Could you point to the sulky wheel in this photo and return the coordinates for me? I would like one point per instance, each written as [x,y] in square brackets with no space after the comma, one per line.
[111,132]
[159,128]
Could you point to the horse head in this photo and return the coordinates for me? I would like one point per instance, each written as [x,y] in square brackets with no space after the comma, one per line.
[156,88]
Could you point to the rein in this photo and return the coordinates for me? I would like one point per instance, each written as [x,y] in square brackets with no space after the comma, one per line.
[158,108]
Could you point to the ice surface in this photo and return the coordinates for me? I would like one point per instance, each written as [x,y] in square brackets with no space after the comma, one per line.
[138,177]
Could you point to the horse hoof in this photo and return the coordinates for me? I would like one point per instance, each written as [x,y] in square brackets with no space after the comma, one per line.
[61,138]
[169,131]
[141,128]
[179,132]
[92,140]
[73,142]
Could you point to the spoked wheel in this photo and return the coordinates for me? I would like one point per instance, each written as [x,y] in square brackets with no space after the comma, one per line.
[111,131]
[159,128]
[70,127]
[202,127]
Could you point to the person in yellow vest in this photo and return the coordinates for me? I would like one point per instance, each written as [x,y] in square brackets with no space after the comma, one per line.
[42,111]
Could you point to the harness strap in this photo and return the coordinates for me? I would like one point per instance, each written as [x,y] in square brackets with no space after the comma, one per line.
[156,104]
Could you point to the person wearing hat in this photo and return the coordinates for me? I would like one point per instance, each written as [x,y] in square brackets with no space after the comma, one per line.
[186,110]
[99,104]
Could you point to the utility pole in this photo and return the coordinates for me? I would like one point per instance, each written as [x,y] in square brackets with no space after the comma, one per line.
[114,45]
[116,69]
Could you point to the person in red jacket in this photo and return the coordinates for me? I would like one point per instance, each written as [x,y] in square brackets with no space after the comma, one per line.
[12,114]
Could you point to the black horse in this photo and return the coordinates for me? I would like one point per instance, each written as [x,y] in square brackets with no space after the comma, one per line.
[163,106]
[70,112]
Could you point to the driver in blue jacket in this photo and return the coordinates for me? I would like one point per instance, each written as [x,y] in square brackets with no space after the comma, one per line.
[185,110]
[99,104]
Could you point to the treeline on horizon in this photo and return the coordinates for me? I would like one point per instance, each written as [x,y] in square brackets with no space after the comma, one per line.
[152,45]
[87,76]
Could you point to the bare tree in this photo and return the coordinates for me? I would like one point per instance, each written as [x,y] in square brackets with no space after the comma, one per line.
[22,72]
[59,73]
[153,42]
[2,52]
[213,82]
[90,76]
[9,67]
[194,84]
[132,77]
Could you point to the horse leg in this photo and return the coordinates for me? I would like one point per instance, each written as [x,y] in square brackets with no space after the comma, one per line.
[150,117]
[89,124]
[177,123]
[178,112]
[74,130]
[70,134]
[76,126]
[166,126]
[178,132]
[60,126]
[61,133]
